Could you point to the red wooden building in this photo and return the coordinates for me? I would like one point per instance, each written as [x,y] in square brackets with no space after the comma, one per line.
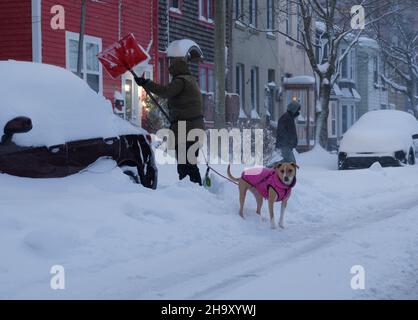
[47,31]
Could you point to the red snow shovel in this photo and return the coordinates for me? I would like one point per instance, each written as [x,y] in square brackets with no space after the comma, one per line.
[122,56]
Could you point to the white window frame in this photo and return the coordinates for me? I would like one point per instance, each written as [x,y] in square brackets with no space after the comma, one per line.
[87,39]
[289,17]
[350,66]
[351,116]
[239,9]
[175,9]
[270,16]
[299,23]
[333,118]
[202,4]
[252,7]
[240,83]
[375,62]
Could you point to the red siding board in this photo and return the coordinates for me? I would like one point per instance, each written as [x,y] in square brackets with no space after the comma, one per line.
[16,30]
[138,17]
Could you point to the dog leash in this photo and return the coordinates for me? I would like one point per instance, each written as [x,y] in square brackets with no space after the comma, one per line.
[207,181]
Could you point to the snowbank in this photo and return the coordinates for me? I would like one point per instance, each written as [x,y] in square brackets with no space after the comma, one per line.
[120,241]
[317,157]
[61,105]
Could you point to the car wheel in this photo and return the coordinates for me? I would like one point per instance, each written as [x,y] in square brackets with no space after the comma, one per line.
[411,157]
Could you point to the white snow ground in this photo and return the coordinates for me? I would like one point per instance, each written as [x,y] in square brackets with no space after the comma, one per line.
[120,241]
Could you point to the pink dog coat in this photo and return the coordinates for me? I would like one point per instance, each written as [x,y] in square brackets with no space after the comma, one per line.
[263,178]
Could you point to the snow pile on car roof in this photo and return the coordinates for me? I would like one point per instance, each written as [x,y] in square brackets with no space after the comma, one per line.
[62,106]
[380,131]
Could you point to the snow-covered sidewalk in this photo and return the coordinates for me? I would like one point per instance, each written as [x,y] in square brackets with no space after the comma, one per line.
[117,240]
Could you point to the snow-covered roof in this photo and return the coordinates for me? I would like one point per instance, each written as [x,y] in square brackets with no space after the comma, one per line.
[184,48]
[345,93]
[299,80]
[336,90]
[61,105]
[368,43]
[356,94]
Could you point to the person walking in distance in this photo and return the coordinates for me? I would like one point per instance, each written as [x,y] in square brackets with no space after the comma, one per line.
[287,137]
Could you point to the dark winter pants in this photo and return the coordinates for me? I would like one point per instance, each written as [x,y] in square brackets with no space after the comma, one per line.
[287,154]
[189,169]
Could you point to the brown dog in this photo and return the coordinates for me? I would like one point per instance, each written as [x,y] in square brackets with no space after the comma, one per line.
[273,184]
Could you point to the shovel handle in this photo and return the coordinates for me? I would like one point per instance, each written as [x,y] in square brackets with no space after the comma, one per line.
[153,98]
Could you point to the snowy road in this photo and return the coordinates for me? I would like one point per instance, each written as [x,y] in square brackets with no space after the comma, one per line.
[116,241]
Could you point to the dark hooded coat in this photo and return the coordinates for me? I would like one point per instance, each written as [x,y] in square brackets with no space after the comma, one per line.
[286,131]
[183,96]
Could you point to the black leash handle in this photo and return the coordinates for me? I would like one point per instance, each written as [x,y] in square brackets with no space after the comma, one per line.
[153,98]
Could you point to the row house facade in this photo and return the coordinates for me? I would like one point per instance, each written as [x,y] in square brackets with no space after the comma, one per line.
[297,78]
[358,88]
[47,31]
[270,67]
[195,20]
[255,59]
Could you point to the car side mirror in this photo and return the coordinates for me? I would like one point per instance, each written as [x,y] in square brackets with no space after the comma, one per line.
[16,125]
[415,136]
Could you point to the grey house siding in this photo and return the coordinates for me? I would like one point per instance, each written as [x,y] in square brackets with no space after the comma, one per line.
[173,27]
[187,25]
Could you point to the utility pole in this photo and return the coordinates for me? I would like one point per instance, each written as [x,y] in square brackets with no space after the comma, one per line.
[81,39]
[220,64]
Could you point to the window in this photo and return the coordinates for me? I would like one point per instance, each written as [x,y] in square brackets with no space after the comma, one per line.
[206,78]
[253,12]
[239,12]
[375,70]
[332,120]
[240,83]
[271,75]
[348,117]
[333,114]
[206,10]
[352,64]
[344,118]
[175,6]
[344,65]
[254,88]
[91,69]
[353,115]
[270,14]
[288,17]
[300,25]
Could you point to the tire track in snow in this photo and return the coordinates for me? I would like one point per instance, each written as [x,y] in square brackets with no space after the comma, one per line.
[207,278]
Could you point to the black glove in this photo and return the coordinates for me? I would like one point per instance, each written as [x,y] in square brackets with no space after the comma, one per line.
[140,81]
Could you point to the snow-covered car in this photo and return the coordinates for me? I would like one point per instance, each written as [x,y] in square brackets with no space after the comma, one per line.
[389,137]
[55,125]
